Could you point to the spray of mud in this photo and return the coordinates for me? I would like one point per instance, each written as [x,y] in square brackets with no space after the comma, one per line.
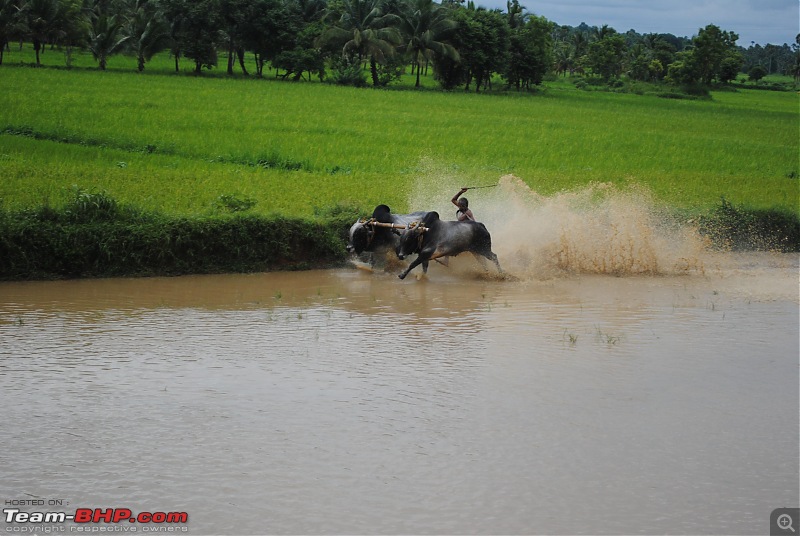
[598,229]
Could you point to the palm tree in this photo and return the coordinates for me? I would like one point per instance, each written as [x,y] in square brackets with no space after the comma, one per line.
[40,18]
[564,60]
[516,14]
[149,31]
[580,44]
[105,38]
[580,47]
[604,31]
[425,25]
[364,31]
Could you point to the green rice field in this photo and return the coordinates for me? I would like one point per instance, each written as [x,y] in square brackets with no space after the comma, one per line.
[177,144]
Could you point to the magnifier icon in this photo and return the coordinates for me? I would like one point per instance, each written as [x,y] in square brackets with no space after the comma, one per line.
[785,522]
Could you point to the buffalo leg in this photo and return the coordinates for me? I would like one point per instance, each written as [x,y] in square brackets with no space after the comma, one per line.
[491,256]
[416,262]
[496,261]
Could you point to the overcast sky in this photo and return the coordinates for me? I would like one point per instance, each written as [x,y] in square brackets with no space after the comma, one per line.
[762,21]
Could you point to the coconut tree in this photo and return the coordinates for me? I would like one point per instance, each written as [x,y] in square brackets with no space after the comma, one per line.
[426,26]
[516,14]
[563,59]
[40,19]
[598,34]
[363,30]
[106,38]
[580,44]
[148,30]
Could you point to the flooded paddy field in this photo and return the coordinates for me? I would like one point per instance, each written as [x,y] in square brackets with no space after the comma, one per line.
[350,402]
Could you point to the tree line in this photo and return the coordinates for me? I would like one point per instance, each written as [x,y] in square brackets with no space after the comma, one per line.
[351,41]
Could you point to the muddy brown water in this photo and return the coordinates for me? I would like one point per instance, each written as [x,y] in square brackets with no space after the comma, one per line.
[349,402]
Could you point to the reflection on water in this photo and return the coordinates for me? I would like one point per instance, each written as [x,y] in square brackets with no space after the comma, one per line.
[350,402]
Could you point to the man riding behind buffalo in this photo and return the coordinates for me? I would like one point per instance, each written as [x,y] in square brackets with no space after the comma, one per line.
[463,213]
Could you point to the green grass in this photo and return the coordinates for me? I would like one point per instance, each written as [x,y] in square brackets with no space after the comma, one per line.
[176,143]
[125,173]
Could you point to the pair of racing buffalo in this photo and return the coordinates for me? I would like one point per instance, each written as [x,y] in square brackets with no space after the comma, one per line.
[422,233]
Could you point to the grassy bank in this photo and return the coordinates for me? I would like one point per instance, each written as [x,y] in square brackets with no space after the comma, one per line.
[94,236]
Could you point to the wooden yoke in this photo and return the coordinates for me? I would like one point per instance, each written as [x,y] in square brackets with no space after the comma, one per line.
[389,225]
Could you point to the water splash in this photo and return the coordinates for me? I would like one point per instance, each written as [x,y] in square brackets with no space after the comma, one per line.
[596,229]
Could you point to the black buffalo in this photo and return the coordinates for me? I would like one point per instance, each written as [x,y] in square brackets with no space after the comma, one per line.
[365,235]
[432,238]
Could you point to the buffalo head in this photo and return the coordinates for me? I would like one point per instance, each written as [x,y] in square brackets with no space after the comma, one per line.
[410,241]
[360,237]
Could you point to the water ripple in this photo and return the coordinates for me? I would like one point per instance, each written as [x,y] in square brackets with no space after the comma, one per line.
[465,407]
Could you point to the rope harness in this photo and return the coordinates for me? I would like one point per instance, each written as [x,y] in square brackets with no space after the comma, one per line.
[421,230]
[370,230]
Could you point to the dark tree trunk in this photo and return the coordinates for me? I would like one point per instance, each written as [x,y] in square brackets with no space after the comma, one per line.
[373,67]
[259,66]
[230,60]
[478,82]
[240,54]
